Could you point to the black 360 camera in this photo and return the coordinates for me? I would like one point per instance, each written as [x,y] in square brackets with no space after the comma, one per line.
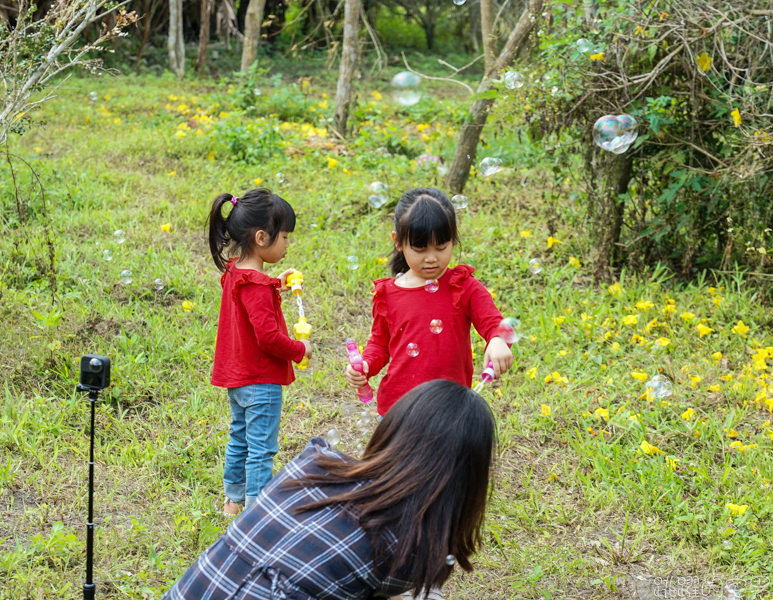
[95,372]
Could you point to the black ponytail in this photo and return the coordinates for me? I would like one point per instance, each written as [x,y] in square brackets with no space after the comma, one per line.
[256,210]
[423,216]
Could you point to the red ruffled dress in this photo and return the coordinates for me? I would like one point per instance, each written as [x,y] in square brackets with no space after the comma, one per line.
[402,316]
[253,345]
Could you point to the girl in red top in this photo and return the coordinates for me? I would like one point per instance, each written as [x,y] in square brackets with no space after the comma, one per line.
[253,350]
[422,316]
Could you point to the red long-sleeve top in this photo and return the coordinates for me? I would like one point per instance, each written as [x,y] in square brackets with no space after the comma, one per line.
[402,316]
[252,341]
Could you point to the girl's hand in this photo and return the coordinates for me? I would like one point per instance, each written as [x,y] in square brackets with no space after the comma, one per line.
[307,344]
[498,353]
[283,280]
[355,378]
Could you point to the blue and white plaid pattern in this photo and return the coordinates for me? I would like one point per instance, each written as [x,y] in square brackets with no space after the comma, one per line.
[270,553]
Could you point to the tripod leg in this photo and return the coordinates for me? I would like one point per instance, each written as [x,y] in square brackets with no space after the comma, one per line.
[89,588]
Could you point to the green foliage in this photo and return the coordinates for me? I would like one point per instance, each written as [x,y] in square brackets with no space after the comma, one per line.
[694,189]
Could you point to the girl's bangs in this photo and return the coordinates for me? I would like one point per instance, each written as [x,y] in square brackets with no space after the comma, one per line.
[283,215]
[428,222]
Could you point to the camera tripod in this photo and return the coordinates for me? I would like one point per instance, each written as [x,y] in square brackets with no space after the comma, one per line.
[89,588]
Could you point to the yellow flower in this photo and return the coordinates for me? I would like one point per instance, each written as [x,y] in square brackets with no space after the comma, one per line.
[167,227]
[672,463]
[526,234]
[639,376]
[644,304]
[615,347]
[695,380]
[331,162]
[736,510]
[715,388]
[649,449]
[552,241]
[37,149]
[187,306]
[545,412]
[703,330]
[662,342]
[688,414]
[703,61]
[602,412]
[631,320]
[559,320]
[211,155]
[728,377]
[731,432]
[382,261]
[736,117]
[740,328]
[639,30]
[599,56]
[573,262]
[532,373]
[688,316]
[663,15]
[377,95]
[171,173]
[257,181]
[669,308]
[615,289]
[717,356]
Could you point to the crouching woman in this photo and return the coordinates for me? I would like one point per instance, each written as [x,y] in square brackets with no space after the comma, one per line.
[333,527]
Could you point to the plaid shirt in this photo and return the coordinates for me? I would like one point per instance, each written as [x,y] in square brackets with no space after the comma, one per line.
[271,553]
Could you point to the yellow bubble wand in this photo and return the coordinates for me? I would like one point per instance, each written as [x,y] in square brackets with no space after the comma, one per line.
[301,329]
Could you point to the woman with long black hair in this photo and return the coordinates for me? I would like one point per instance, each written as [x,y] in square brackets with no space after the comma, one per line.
[329,526]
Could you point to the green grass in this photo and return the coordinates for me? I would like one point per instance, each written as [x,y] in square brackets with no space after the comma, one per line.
[579,509]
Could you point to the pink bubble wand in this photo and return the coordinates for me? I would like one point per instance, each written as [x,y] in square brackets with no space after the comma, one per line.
[364,393]
[486,377]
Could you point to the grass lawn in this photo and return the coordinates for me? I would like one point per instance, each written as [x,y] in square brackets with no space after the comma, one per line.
[603,490]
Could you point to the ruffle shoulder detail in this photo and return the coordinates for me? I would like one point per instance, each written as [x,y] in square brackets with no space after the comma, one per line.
[244,277]
[457,281]
[379,298]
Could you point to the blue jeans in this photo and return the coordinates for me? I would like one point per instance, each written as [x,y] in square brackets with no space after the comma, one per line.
[249,457]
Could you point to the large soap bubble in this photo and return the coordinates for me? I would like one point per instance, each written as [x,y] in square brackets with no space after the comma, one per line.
[513,80]
[615,133]
[405,84]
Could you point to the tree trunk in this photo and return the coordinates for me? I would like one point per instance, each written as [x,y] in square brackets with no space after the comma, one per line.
[429,34]
[473,24]
[487,32]
[206,18]
[252,24]
[589,7]
[175,43]
[348,63]
[464,156]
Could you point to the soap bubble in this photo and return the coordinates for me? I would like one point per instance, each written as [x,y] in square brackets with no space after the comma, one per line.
[126,277]
[459,2]
[366,417]
[280,177]
[490,166]
[450,560]
[399,275]
[158,284]
[583,45]
[405,84]
[432,285]
[379,194]
[508,329]
[660,386]
[622,149]
[459,201]
[436,325]
[412,349]
[93,96]
[535,266]
[333,437]
[107,255]
[120,236]
[353,263]
[256,91]
[514,80]
[359,450]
